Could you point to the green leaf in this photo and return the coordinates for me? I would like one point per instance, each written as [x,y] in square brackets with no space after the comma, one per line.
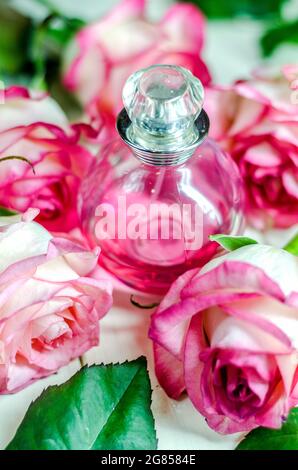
[231,8]
[286,32]
[47,43]
[14,32]
[292,246]
[285,438]
[232,243]
[6,212]
[100,407]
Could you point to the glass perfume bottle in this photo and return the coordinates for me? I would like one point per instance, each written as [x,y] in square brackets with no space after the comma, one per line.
[156,195]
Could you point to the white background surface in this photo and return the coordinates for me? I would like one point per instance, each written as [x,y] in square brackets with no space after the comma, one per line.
[231,52]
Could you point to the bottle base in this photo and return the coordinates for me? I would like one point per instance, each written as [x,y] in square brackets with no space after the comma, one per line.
[152,279]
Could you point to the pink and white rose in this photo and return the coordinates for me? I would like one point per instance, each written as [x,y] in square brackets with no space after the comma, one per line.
[34,126]
[49,304]
[228,335]
[105,53]
[257,122]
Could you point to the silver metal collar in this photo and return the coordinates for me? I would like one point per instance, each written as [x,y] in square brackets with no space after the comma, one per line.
[168,157]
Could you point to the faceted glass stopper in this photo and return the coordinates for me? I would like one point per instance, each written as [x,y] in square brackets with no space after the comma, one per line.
[163,99]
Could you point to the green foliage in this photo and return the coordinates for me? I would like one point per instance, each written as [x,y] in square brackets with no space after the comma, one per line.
[14,32]
[47,41]
[232,8]
[292,246]
[6,212]
[31,48]
[285,438]
[230,243]
[100,407]
[284,32]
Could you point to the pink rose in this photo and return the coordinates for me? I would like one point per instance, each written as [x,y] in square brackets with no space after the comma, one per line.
[49,307]
[257,122]
[105,53]
[228,335]
[36,128]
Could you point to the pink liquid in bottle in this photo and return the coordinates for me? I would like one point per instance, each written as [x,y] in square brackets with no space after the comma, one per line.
[152,202]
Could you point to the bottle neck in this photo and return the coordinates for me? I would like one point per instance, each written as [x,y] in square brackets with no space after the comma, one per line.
[159,151]
[162,159]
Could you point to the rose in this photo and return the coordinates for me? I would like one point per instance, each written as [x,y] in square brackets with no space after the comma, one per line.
[49,306]
[256,121]
[228,335]
[125,41]
[105,53]
[34,127]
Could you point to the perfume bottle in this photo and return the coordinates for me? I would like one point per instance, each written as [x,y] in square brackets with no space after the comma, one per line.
[157,193]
